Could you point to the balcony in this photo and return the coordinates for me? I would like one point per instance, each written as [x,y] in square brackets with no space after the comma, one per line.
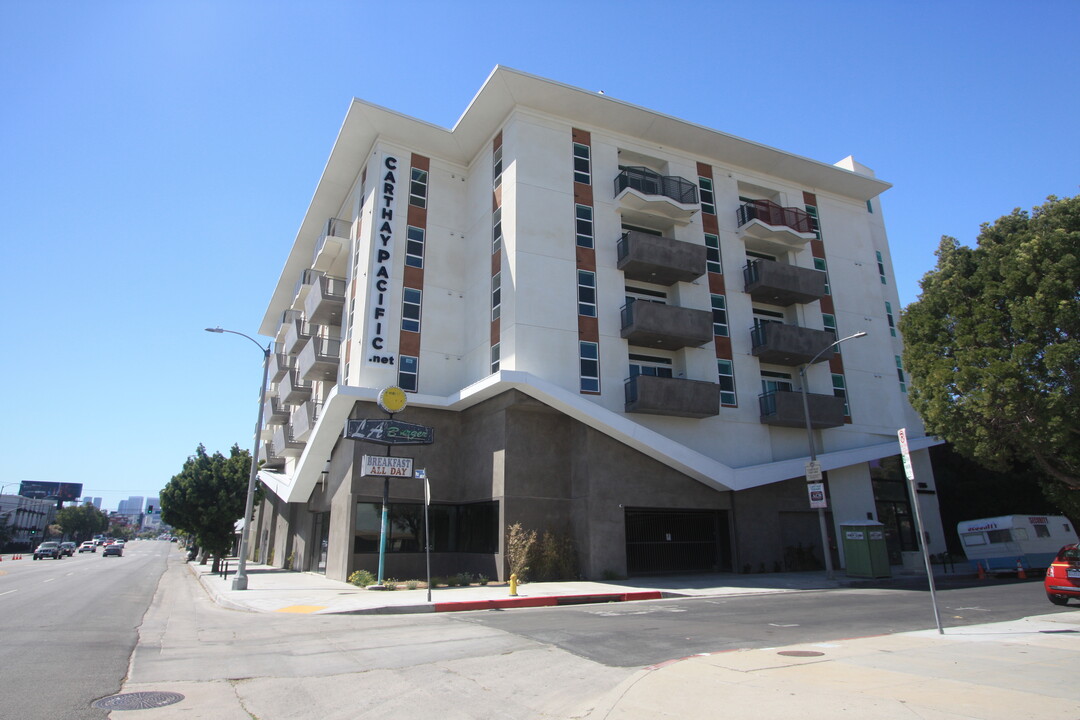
[280,363]
[784,408]
[275,412]
[330,245]
[297,335]
[661,260]
[303,286]
[671,396]
[304,418]
[285,442]
[287,319]
[293,389]
[780,344]
[666,327]
[319,359]
[775,283]
[775,228]
[644,190]
[325,301]
[271,460]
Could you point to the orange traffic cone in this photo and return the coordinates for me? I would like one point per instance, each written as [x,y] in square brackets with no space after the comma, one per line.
[1020,570]
[982,573]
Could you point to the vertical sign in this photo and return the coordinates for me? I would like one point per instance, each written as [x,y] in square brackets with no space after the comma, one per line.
[901,434]
[380,338]
[905,456]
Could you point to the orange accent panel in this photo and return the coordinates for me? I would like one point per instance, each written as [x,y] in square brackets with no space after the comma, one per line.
[586,258]
[496,198]
[827,305]
[417,216]
[723,347]
[496,262]
[817,248]
[588,329]
[582,137]
[716,283]
[809,198]
[704,170]
[710,223]
[836,364]
[497,141]
[409,343]
[495,331]
[421,162]
[414,277]
[583,194]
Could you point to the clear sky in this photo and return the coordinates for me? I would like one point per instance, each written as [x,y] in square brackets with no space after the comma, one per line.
[157,158]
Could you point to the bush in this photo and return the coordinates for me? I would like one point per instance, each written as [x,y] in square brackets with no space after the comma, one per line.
[554,557]
[412,584]
[519,546]
[362,578]
[464,579]
[390,584]
[482,579]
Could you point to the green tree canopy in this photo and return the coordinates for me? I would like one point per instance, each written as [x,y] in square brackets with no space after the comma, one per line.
[207,497]
[993,343]
[81,522]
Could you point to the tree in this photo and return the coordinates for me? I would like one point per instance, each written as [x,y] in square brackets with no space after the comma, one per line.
[207,498]
[81,522]
[993,344]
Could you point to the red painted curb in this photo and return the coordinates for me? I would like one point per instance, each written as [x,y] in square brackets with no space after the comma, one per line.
[546,601]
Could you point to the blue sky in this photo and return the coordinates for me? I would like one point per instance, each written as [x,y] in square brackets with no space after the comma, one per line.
[158,157]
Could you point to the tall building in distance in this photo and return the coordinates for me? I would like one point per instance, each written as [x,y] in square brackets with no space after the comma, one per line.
[603,312]
[132,506]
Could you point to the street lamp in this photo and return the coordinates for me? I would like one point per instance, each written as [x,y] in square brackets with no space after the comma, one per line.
[240,581]
[825,550]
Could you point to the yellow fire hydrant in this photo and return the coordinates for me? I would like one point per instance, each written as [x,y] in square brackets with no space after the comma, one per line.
[513,585]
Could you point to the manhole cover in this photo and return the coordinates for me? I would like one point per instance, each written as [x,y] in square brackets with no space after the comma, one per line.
[800,653]
[137,701]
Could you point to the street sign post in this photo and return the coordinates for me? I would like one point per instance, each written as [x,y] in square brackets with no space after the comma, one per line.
[813,471]
[905,456]
[817,495]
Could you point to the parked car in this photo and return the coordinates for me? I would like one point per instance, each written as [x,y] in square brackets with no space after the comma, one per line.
[116,548]
[1062,579]
[88,546]
[48,549]
[68,548]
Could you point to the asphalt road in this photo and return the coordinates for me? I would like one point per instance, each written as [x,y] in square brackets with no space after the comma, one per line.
[643,634]
[68,628]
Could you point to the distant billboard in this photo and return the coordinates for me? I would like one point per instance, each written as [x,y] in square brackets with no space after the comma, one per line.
[66,492]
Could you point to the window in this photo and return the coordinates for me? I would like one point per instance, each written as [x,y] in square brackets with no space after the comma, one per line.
[900,374]
[495,358]
[418,188]
[889,317]
[819,264]
[829,321]
[869,207]
[583,215]
[839,389]
[712,254]
[639,293]
[881,267]
[650,365]
[719,316]
[589,359]
[496,231]
[467,528]
[496,296]
[760,255]
[999,536]
[496,167]
[586,293]
[708,201]
[414,247]
[811,210]
[726,377]
[582,164]
[408,372]
[773,381]
[973,539]
[1041,531]
[410,310]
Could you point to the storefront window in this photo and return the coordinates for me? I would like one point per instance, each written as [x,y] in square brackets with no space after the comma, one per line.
[471,528]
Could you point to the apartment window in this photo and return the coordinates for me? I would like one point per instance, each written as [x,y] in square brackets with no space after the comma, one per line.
[418,188]
[839,389]
[408,372]
[650,365]
[496,296]
[586,293]
[719,316]
[496,231]
[712,254]
[410,310]
[414,247]
[829,321]
[496,167]
[726,377]
[705,190]
[774,381]
[589,364]
[495,358]
[584,217]
[881,267]
[811,210]
[869,207]
[582,163]
[900,374]
[889,317]
[819,264]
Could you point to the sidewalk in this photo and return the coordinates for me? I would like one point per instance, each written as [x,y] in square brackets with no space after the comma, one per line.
[1020,669]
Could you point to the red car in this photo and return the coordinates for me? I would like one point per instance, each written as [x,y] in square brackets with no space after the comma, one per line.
[1063,576]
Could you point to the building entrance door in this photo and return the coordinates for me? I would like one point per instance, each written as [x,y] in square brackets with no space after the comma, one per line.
[676,541]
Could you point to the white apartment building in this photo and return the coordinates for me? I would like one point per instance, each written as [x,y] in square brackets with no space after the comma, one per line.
[602,312]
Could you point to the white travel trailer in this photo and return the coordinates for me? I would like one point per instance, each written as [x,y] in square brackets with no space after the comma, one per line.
[1011,541]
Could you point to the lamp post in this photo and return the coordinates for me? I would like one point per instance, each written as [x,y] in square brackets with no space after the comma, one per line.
[825,550]
[240,580]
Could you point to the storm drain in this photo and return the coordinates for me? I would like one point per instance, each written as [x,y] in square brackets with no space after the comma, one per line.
[137,701]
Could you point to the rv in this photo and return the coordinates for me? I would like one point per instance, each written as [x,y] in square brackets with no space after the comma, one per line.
[1012,542]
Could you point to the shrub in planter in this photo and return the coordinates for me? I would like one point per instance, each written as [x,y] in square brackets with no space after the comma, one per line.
[362,578]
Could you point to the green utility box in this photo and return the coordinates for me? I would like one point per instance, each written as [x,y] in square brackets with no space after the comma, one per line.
[864,549]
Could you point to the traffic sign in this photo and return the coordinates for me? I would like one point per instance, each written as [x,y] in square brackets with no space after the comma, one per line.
[813,471]
[904,454]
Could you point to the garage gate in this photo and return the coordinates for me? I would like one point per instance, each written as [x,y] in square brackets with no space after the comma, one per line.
[677,541]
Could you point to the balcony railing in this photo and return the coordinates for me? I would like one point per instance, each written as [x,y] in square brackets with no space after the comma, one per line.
[650,182]
[319,359]
[304,283]
[770,213]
